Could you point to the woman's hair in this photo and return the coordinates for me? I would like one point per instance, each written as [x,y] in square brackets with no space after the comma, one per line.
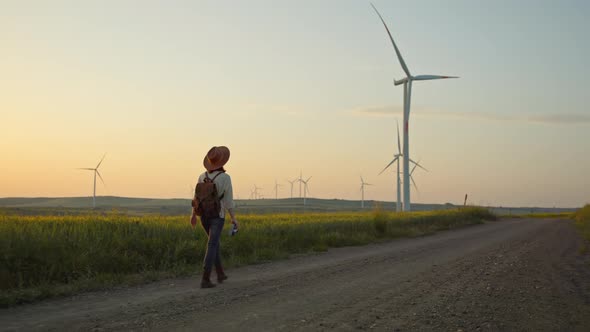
[221,169]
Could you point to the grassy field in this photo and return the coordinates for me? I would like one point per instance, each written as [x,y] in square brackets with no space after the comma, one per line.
[46,256]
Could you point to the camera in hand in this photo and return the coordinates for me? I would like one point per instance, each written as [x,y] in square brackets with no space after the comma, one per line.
[234,230]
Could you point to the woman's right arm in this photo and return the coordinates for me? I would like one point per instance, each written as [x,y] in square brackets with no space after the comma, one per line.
[233,217]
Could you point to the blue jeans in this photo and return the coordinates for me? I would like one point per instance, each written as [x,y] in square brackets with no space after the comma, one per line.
[213,228]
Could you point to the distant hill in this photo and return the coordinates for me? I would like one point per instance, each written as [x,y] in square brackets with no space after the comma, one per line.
[182,206]
[86,202]
[49,205]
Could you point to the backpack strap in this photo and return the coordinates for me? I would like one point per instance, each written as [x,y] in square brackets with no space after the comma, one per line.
[218,174]
[213,179]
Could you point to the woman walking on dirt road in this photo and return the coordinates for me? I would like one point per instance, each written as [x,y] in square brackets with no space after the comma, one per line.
[212,222]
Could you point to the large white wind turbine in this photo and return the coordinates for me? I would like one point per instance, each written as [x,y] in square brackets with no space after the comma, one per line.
[363,184]
[407,82]
[96,172]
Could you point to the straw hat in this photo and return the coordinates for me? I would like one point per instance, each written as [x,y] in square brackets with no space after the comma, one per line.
[216,157]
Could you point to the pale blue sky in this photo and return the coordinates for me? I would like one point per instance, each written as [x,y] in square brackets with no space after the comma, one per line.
[296,85]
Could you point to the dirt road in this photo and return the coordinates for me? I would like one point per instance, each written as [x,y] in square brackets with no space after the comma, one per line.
[513,275]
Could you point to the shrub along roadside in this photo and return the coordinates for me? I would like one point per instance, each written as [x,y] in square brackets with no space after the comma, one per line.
[45,256]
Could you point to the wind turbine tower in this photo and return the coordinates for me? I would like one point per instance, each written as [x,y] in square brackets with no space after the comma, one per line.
[96,172]
[407,82]
[363,184]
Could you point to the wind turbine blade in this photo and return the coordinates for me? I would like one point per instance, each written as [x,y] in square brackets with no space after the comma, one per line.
[399,55]
[412,171]
[87,169]
[101,179]
[386,167]
[362,180]
[307,179]
[391,163]
[399,146]
[418,164]
[414,182]
[431,77]
[100,162]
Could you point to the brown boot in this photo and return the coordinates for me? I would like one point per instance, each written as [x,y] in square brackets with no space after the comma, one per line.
[221,276]
[206,281]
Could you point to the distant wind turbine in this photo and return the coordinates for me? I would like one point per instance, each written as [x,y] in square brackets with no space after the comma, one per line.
[363,184]
[305,190]
[407,82]
[412,176]
[300,182]
[277,189]
[96,172]
[257,195]
[412,172]
[396,158]
[292,182]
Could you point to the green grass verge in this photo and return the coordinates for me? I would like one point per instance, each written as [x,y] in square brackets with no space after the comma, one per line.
[541,215]
[582,221]
[48,256]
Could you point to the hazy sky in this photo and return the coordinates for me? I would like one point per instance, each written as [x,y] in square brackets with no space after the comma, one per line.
[296,85]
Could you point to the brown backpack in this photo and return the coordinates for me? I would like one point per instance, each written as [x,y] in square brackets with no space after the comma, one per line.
[207,202]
